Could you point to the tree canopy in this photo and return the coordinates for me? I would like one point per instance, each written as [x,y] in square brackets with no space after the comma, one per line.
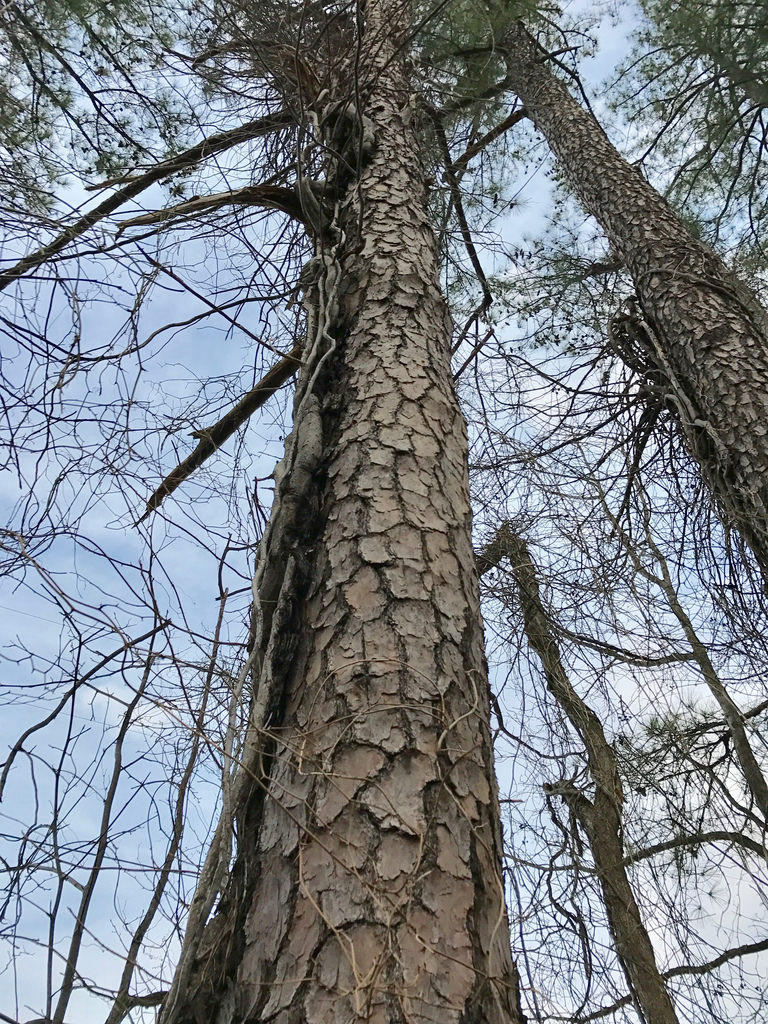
[175,187]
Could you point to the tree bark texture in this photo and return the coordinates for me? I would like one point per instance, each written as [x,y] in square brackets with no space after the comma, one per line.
[709,335]
[367,883]
[601,817]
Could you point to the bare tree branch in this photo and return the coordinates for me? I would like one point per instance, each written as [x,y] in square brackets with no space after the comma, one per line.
[272,196]
[135,186]
[213,437]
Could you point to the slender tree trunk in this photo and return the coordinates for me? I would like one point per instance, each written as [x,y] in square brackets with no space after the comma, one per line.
[709,335]
[754,777]
[601,817]
[367,883]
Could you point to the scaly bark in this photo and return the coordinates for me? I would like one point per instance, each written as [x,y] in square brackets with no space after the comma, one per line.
[601,817]
[709,334]
[367,882]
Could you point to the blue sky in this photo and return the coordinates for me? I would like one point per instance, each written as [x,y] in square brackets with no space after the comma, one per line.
[185,574]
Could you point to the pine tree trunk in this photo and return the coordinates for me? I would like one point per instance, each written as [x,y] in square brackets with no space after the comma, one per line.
[601,817]
[709,335]
[367,883]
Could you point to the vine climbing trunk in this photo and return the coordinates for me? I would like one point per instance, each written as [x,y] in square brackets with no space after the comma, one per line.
[366,883]
[708,335]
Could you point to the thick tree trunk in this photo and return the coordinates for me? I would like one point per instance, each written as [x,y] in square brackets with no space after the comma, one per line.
[367,883]
[601,817]
[709,335]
